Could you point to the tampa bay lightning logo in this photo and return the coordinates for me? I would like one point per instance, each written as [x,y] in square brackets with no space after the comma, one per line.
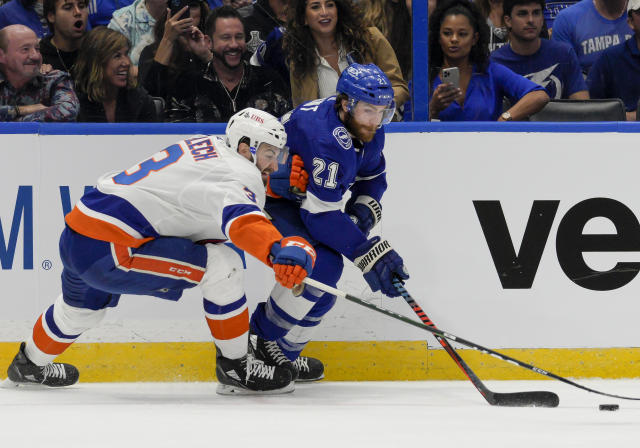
[343,137]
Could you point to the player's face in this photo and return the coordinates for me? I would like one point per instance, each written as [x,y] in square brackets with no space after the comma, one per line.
[267,160]
[457,37]
[70,18]
[321,16]
[116,71]
[365,119]
[525,22]
[22,58]
[228,42]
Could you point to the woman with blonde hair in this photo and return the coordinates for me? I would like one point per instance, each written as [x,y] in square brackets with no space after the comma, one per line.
[393,19]
[102,81]
[322,38]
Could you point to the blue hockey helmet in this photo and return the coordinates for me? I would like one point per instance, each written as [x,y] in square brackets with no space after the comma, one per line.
[369,84]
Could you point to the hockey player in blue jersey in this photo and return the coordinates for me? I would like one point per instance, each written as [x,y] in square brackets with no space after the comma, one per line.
[340,141]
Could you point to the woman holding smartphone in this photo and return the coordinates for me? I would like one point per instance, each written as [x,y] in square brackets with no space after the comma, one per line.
[458,38]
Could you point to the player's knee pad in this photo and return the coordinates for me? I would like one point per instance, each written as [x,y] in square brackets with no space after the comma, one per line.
[222,282]
[73,320]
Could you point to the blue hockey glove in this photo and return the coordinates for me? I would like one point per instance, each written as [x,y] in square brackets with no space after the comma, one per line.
[380,264]
[364,211]
[290,181]
[293,259]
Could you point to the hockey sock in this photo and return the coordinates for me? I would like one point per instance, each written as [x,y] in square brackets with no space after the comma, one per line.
[229,326]
[58,328]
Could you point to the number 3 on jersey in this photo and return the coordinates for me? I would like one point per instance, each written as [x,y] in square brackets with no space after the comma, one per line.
[157,162]
[319,165]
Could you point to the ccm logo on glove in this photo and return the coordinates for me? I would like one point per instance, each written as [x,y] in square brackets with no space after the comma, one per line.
[293,260]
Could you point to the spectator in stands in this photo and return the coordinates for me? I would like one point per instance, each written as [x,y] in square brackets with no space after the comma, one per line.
[101,76]
[25,93]
[552,9]
[616,73]
[25,12]
[493,14]
[164,62]
[271,55]
[322,38]
[68,23]
[101,11]
[590,27]
[136,22]
[261,18]
[458,37]
[393,19]
[229,83]
[551,64]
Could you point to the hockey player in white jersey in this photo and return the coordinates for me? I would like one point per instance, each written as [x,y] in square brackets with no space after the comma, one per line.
[157,229]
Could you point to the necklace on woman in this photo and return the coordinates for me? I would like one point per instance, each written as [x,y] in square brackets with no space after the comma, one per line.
[233,100]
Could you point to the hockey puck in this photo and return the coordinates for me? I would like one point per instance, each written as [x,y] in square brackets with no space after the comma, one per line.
[609,407]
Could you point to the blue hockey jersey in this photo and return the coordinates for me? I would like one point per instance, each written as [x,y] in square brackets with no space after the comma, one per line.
[336,164]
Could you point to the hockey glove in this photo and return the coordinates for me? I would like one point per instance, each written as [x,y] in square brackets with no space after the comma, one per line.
[290,181]
[380,264]
[293,259]
[365,212]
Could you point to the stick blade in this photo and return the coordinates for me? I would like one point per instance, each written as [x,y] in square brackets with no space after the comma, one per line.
[538,399]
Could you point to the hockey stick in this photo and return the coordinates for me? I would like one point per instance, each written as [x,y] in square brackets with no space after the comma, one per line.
[536,398]
[452,337]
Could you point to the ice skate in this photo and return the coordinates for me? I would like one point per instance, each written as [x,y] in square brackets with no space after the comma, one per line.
[24,372]
[271,353]
[251,376]
[309,369]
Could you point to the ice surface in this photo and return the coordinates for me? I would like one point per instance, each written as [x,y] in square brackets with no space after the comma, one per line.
[430,414]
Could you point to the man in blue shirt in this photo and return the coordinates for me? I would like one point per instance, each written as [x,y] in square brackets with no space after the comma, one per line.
[25,12]
[591,27]
[553,65]
[616,74]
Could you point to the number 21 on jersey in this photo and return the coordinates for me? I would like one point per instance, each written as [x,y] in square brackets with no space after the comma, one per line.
[157,162]
[319,165]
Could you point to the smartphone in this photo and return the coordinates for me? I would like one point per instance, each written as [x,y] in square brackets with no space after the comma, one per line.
[177,5]
[452,76]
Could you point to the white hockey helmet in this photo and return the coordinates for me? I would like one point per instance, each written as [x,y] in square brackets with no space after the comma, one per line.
[255,126]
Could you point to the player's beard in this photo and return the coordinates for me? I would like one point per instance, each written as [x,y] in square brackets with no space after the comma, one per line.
[360,131]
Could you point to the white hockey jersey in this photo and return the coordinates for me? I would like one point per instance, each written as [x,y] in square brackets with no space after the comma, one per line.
[197,188]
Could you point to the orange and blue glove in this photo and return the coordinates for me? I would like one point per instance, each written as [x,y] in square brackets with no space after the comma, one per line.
[290,181]
[293,259]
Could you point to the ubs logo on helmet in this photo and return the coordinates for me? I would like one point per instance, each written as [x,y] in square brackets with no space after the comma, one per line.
[342,136]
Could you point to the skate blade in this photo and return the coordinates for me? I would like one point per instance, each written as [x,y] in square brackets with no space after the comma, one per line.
[225,389]
[311,380]
[8,384]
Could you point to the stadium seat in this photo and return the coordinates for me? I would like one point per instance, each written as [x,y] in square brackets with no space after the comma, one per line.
[158,103]
[582,110]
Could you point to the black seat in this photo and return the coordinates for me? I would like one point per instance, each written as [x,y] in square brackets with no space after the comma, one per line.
[158,103]
[611,109]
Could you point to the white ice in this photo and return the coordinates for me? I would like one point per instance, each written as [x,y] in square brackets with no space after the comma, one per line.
[426,414]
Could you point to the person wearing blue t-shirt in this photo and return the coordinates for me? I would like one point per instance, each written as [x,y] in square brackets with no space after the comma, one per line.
[591,27]
[25,12]
[553,65]
[617,72]
[458,37]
